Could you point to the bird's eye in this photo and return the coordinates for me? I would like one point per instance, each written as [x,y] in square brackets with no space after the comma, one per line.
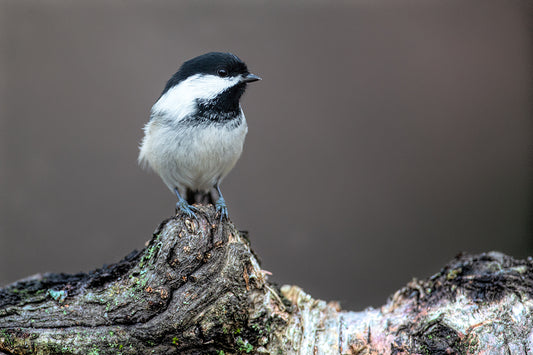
[222,73]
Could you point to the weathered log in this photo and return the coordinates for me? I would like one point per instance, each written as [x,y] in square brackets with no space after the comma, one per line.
[197,288]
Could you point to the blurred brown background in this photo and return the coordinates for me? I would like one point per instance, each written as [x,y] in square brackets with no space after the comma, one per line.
[385,137]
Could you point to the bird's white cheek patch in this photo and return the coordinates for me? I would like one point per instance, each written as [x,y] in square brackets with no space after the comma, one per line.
[180,100]
[208,86]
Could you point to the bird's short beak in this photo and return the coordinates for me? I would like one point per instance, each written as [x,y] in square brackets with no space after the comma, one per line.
[250,78]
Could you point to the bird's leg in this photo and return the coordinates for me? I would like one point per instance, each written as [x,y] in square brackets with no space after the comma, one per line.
[183,206]
[220,205]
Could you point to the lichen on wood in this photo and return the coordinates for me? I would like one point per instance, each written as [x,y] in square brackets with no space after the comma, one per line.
[197,288]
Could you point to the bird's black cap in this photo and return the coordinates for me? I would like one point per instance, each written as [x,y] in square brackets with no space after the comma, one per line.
[214,63]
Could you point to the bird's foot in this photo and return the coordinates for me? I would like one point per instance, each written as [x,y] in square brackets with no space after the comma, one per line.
[222,209]
[184,208]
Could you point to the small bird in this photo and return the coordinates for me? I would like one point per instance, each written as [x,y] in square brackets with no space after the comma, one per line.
[196,130]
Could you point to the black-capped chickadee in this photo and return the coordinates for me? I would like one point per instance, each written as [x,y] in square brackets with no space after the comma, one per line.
[197,128]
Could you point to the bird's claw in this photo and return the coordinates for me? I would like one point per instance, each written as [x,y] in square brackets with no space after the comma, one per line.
[183,207]
[222,209]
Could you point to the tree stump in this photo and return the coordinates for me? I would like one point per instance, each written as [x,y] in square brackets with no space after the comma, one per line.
[197,288]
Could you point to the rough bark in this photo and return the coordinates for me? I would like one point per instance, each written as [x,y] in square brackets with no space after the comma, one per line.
[197,288]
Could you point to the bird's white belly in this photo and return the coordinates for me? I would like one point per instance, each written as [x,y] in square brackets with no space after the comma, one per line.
[197,157]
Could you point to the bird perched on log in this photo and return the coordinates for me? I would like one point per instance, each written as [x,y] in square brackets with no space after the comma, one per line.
[197,128]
